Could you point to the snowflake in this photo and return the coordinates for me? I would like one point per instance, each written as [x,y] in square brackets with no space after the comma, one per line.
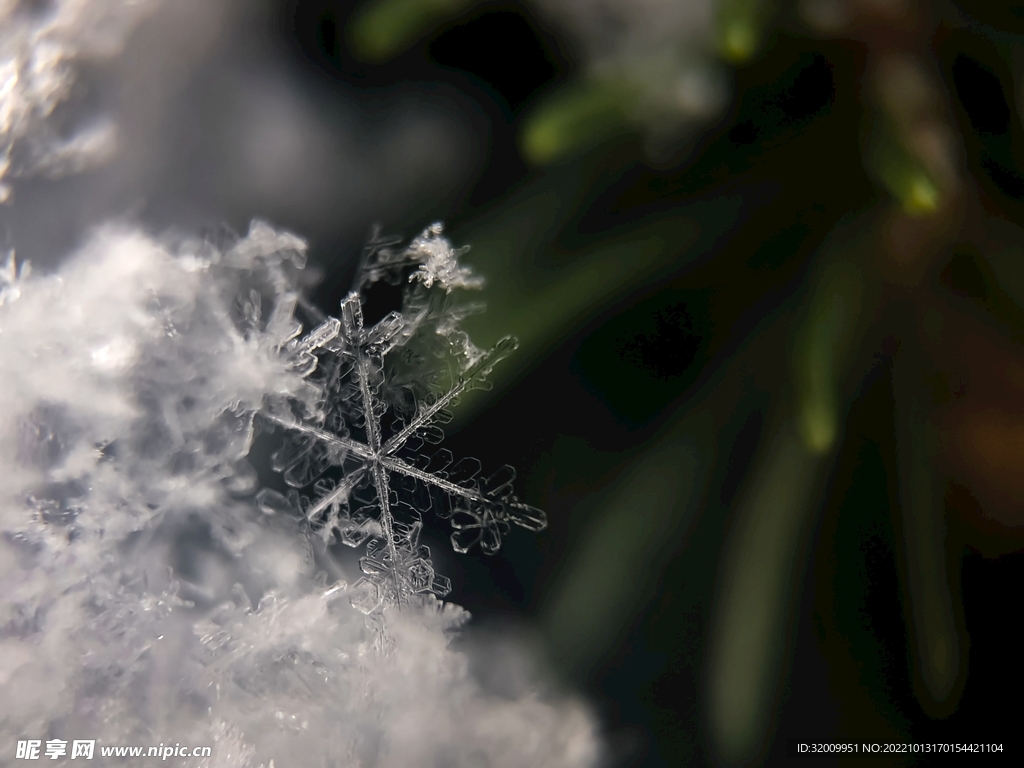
[440,262]
[385,391]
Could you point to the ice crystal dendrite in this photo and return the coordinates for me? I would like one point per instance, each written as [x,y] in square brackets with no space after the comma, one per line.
[143,596]
[357,462]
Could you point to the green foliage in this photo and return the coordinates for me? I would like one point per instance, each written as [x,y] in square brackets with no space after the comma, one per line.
[900,171]
[384,28]
[822,351]
[741,28]
[576,118]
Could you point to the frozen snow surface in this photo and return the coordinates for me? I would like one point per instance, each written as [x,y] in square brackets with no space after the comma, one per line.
[152,592]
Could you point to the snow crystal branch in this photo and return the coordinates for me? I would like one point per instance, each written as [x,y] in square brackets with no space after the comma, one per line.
[347,446]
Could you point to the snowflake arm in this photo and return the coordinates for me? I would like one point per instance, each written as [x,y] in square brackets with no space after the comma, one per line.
[476,374]
[347,431]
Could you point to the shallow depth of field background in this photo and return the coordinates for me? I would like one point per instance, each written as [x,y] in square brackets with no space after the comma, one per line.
[658,278]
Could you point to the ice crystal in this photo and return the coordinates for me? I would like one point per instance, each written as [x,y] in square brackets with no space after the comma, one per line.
[439,262]
[129,385]
[359,462]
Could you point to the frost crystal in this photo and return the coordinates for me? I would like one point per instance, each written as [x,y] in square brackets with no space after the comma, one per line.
[144,595]
[440,262]
[386,389]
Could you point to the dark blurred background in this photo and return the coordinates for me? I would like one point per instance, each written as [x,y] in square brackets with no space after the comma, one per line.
[765,181]
[659,289]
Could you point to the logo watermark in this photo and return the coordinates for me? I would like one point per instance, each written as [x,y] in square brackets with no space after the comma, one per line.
[54,749]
